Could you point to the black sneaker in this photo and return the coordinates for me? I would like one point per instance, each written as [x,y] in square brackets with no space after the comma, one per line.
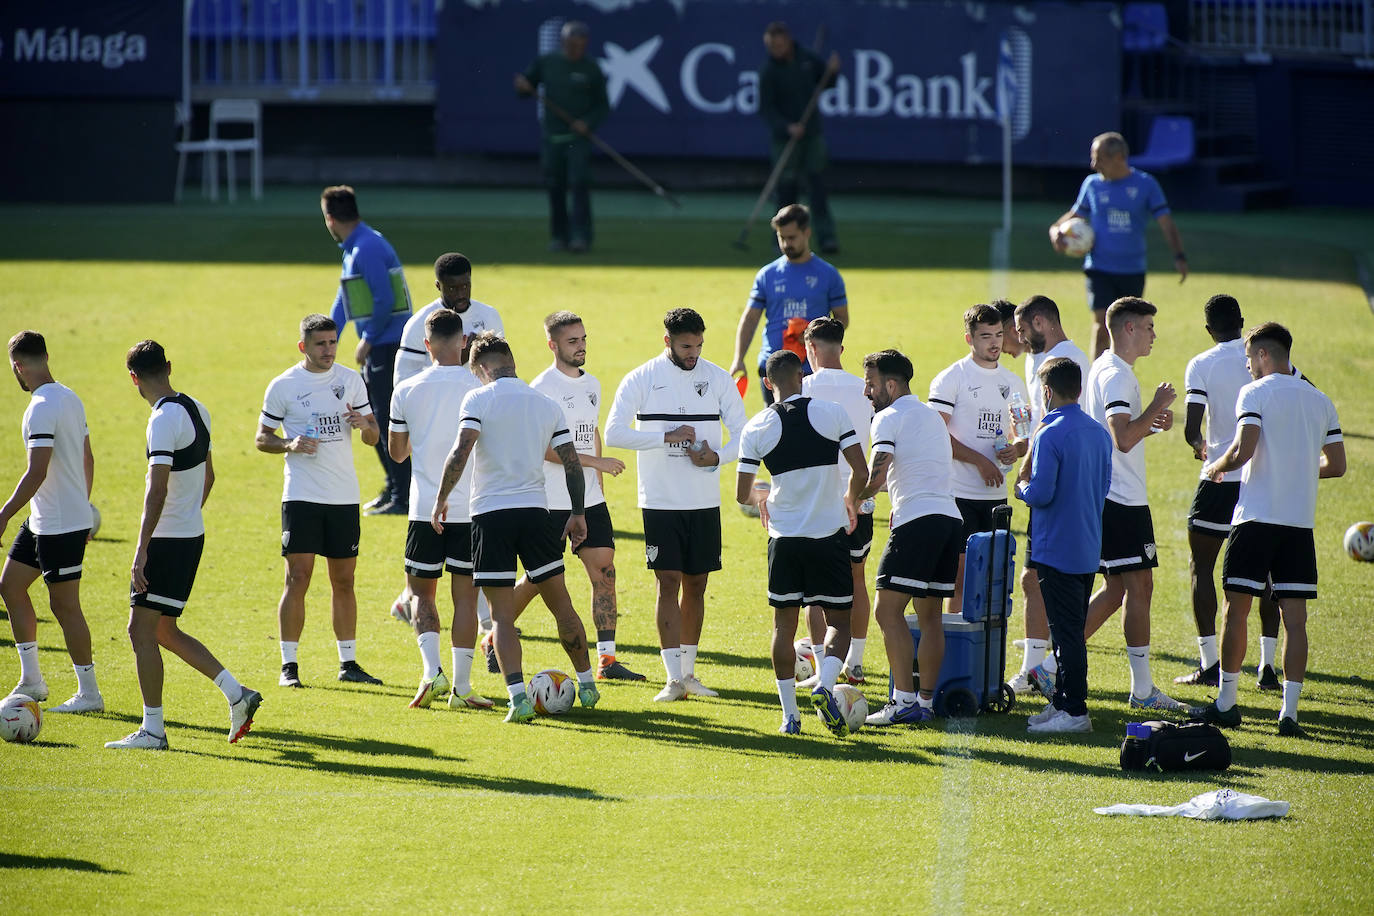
[382,499]
[608,669]
[290,677]
[1289,728]
[390,507]
[1201,677]
[489,650]
[353,672]
[1269,680]
[1213,716]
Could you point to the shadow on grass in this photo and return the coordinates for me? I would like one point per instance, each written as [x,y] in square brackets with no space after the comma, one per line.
[17,860]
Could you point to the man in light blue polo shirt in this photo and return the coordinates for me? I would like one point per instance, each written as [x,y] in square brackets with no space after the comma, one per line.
[1065,480]
[1119,202]
[791,291]
[369,258]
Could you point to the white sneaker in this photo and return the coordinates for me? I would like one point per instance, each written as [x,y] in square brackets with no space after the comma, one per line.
[1062,723]
[140,740]
[1043,715]
[810,683]
[35,691]
[696,688]
[673,690]
[1020,683]
[401,610]
[241,714]
[81,702]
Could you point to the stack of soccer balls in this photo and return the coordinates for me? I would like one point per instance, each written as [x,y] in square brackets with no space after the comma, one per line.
[1359,541]
[21,718]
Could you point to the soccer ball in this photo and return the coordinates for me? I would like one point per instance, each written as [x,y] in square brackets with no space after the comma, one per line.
[752,510]
[806,659]
[1359,541]
[21,718]
[1078,237]
[852,705]
[95,520]
[553,692]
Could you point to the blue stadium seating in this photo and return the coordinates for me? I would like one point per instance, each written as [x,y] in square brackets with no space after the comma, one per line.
[1144,27]
[212,19]
[409,19]
[1171,143]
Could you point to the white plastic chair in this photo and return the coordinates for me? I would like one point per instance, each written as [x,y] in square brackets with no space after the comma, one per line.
[224,111]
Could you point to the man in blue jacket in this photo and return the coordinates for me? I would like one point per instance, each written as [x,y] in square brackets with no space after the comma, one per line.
[368,296]
[1064,480]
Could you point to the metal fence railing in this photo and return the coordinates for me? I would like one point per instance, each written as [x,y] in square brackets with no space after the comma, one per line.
[312,49]
[1261,28]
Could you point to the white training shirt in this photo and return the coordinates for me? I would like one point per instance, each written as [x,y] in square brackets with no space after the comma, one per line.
[412,357]
[516,426]
[805,501]
[580,399]
[1113,389]
[294,400]
[975,400]
[169,431]
[1068,350]
[1278,484]
[657,397]
[914,434]
[1214,379]
[56,419]
[427,407]
[847,390]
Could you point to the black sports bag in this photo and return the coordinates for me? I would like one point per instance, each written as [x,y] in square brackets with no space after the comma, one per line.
[1166,747]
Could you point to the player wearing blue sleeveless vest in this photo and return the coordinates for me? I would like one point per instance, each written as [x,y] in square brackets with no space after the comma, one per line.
[791,291]
[170,540]
[1119,202]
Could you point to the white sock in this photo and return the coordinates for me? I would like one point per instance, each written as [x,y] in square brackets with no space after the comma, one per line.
[515,689]
[462,670]
[689,661]
[288,652]
[1036,650]
[584,677]
[928,703]
[605,647]
[152,721]
[904,697]
[1226,695]
[830,670]
[483,610]
[1142,683]
[28,663]
[85,679]
[787,693]
[1269,647]
[1207,650]
[672,663]
[348,650]
[1291,691]
[429,652]
[228,686]
[1051,663]
[855,657]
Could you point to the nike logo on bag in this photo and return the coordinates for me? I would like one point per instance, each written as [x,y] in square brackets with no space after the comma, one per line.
[1189,758]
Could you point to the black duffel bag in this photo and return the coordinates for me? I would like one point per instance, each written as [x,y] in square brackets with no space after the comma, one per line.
[1166,747]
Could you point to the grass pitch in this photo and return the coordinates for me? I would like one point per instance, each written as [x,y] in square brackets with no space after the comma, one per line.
[342,797]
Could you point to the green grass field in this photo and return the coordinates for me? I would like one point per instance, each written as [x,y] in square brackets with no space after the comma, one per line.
[343,798]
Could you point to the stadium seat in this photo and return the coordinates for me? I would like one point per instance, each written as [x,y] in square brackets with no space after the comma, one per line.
[1171,143]
[215,19]
[225,112]
[409,19]
[1144,27]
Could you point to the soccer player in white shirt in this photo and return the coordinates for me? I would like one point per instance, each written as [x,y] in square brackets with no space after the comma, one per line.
[52,542]
[579,394]
[1287,437]
[318,403]
[453,280]
[1213,381]
[1128,535]
[171,538]
[670,411]
[972,395]
[1038,326]
[425,410]
[824,339]
[913,456]
[800,440]
[506,428]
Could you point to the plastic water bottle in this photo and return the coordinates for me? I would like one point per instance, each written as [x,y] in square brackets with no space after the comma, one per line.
[313,430]
[1020,415]
[999,443]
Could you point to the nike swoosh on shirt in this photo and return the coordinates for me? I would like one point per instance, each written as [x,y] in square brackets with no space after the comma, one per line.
[1189,758]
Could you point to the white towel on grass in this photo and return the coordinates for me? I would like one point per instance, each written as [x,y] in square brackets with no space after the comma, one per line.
[1221,805]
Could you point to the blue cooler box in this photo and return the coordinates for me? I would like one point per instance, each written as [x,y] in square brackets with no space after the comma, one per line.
[963,678]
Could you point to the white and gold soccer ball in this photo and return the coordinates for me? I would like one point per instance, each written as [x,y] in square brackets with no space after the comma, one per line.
[21,718]
[552,692]
[1077,235]
[853,705]
[1359,541]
